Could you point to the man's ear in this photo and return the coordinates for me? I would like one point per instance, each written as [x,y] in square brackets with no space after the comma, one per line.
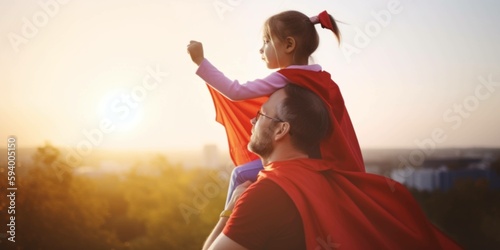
[290,44]
[281,130]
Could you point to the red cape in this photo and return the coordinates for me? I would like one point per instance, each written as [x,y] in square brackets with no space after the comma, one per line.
[354,210]
[357,210]
[235,117]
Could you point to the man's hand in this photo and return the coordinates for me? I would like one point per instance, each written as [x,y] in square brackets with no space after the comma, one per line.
[195,50]
[237,193]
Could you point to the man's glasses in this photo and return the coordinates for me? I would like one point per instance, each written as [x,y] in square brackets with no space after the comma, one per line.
[259,114]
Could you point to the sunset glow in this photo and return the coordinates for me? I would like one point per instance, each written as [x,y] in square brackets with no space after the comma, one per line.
[404,67]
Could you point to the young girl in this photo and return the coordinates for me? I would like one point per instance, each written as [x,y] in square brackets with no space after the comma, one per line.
[289,39]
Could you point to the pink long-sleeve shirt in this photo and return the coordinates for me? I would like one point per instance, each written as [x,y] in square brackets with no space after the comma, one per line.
[235,91]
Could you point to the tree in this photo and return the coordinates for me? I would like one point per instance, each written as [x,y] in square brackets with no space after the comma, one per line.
[60,214]
[167,207]
[179,207]
[495,166]
[469,213]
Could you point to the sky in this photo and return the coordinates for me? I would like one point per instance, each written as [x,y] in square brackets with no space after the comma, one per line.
[115,74]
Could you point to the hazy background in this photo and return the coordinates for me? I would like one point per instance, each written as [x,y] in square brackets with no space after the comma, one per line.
[107,161]
[66,78]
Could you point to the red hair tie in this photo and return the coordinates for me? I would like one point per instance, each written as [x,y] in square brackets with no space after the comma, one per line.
[324,19]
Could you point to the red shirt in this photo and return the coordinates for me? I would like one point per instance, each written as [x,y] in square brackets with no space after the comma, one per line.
[266,218]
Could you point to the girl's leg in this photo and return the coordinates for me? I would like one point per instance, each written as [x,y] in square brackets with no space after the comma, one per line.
[242,173]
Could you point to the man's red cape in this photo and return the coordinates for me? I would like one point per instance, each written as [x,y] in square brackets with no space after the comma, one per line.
[341,206]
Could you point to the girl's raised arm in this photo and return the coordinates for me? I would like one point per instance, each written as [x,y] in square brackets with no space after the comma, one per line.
[235,91]
[232,89]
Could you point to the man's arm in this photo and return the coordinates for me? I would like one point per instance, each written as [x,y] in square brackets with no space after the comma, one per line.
[223,242]
[216,239]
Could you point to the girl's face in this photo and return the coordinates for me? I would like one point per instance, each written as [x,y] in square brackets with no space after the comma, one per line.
[272,52]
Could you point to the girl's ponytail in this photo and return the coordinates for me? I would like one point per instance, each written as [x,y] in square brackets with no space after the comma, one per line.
[327,22]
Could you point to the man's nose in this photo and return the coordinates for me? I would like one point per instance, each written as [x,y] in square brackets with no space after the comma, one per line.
[252,121]
[261,50]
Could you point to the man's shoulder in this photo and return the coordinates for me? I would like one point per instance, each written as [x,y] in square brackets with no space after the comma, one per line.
[263,192]
[265,217]
[266,187]
[255,201]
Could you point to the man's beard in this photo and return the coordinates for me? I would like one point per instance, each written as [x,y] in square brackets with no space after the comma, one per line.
[262,144]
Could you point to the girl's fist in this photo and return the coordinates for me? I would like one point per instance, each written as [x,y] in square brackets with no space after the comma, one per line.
[195,50]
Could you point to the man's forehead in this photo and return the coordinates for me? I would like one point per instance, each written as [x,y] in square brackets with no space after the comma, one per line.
[274,100]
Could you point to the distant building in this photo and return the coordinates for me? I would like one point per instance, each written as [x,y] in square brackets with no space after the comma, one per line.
[104,168]
[211,156]
[442,174]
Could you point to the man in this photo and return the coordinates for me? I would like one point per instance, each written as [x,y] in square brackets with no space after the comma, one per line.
[275,222]
[301,202]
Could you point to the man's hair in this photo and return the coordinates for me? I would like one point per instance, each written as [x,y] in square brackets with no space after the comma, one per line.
[308,117]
